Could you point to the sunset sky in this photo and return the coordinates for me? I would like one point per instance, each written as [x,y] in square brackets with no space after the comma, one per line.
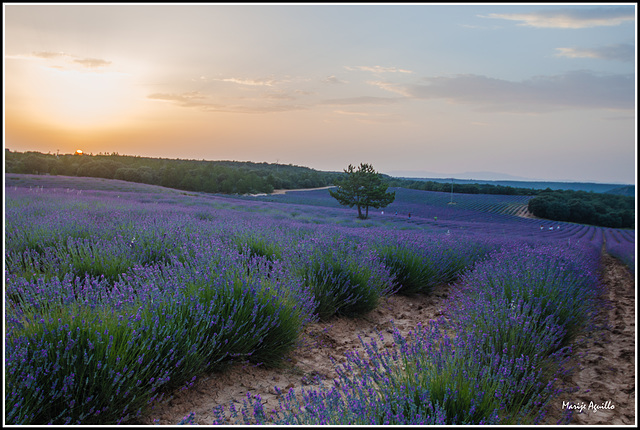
[529,90]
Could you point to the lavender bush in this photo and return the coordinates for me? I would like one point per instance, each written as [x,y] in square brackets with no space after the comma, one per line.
[81,364]
[421,264]
[345,276]
[548,281]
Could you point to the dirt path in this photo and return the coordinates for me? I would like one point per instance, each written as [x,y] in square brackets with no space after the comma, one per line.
[321,342]
[606,363]
[283,191]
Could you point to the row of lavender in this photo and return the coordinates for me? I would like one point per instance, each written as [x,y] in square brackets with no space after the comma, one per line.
[113,299]
[496,358]
[479,214]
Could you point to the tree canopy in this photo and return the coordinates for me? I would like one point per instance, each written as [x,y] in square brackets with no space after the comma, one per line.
[362,188]
[605,210]
[227,177]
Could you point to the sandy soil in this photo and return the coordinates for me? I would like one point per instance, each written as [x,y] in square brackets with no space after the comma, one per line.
[320,343]
[605,364]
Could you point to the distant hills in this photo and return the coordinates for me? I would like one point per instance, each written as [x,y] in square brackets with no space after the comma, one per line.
[618,189]
[475,176]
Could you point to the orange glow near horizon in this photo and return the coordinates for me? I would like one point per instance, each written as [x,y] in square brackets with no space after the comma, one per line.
[86,100]
[69,97]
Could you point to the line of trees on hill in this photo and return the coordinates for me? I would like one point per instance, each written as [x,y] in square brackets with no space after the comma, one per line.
[605,210]
[227,177]
[462,188]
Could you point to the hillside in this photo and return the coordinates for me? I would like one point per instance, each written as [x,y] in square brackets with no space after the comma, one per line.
[227,177]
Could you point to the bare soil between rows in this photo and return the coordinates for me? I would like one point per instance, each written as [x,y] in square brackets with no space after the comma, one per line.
[604,364]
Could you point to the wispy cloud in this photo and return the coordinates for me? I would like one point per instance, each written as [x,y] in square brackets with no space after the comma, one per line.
[70,60]
[195,99]
[363,100]
[48,55]
[579,89]
[189,99]
[377,69]
[392,87]
[251,81]
[571,18]
[333,80]
[620,52]
[269,82]
[92,63]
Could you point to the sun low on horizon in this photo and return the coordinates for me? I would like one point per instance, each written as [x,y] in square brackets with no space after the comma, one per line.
[409,88]
[59,93]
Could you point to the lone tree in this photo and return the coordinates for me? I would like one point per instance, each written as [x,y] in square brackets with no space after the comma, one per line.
[362,188]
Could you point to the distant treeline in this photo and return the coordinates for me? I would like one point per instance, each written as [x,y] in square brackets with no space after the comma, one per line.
[605,210]
[227,177]
[462,188]
[627,190]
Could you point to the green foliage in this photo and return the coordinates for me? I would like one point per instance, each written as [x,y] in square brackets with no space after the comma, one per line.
[226,177]
[120,360]
[362,188]
[346,279]
[461,188]
[414,274]
[605,210]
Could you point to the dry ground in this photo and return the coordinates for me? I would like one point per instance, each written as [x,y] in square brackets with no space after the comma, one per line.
[604,364]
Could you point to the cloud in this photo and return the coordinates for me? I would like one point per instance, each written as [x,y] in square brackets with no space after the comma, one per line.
[92,63]
[251,82]
[579,89]
[254,109]
[195,99]
[620,52]
[377,69]
[570,18]
[189,99]
[390,86]
[363,100]
[48,55]
[70,60]
[333,80]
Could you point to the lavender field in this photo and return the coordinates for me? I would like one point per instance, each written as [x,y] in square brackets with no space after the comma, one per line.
[118,293]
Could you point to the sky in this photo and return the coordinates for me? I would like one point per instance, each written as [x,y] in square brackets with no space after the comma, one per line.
[530,90]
